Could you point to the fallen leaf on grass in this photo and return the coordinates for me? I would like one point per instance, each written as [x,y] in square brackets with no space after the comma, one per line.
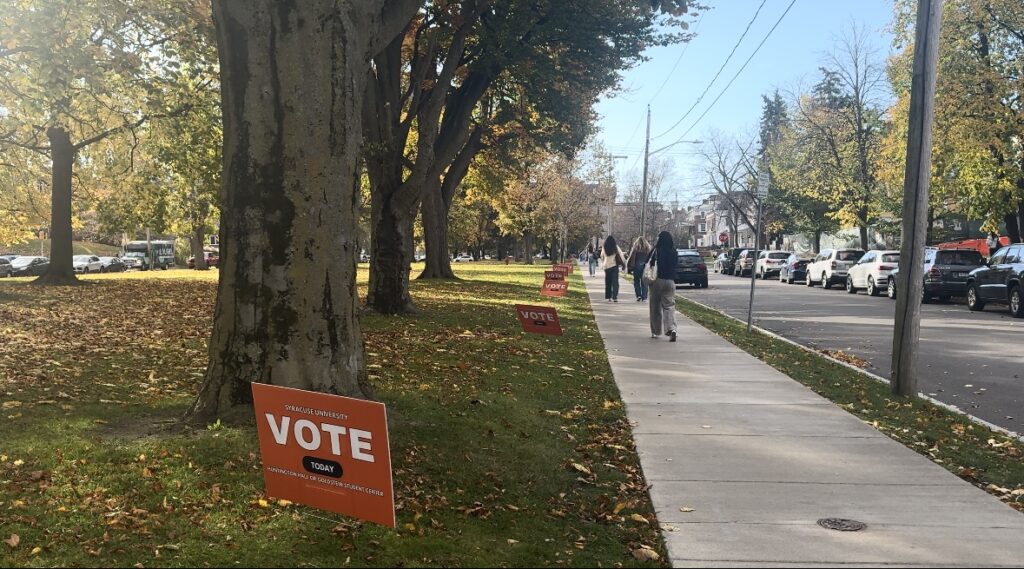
[644,553]
[579,467]
[14,540]
[639,519]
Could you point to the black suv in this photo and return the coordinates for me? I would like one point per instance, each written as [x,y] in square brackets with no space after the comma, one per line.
[691,269]
[999,282]
[945,273]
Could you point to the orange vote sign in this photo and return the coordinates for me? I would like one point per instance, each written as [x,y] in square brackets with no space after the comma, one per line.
[326,451]
[554,288]
[554,276]
[539,319]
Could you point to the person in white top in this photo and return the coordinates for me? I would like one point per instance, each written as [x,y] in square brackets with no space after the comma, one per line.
[612,260]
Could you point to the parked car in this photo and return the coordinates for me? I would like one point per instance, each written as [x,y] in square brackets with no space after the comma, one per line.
[86,264]
[463,258]
[112,265]
[999,282]
[744,263]
[769,263]
[720,261]
[872,272]
[831,265]
[945,273]
[9,257]
[28,266]
[691,269]
[212,259]
[6,269]
[795,269]
[729,264]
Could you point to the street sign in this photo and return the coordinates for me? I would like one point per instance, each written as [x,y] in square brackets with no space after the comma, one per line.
[539,319]
[723,237]
[326,451]
[764,181]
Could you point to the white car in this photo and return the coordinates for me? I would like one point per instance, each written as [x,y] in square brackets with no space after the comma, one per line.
[872,272]
[86,264]
[831,265]
[463,258]
[770,263]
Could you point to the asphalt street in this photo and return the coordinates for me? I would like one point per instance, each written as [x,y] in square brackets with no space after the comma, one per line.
[974,361]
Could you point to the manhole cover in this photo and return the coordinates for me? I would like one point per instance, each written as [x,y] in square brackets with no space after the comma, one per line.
[839,524]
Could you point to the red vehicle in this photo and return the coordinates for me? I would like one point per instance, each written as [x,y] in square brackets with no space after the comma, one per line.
[212,260]
[979,245]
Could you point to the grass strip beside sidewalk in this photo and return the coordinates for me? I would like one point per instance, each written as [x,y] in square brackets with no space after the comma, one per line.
[508,449]
[983,457]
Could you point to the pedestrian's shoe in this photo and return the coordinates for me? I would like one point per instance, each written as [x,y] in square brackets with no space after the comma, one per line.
[654,336]
[672,336]
[615,300]
[638,299]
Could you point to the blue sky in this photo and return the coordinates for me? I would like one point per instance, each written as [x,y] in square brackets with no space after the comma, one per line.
[790,57]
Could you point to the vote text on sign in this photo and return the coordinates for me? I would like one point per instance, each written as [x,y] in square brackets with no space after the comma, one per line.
[326,451]
[554,288]
[539,319]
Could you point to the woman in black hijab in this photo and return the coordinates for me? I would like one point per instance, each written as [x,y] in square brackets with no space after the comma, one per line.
[663,289]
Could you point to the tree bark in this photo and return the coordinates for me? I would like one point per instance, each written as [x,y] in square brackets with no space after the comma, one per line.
[292,80]
[392,242]
[1020,214]
[435,236]
[817,242]
[1012,228]
[528,248]
[198,254]
[863,237]
[61,270]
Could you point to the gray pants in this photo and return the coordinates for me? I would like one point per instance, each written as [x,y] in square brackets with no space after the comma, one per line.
[663,306]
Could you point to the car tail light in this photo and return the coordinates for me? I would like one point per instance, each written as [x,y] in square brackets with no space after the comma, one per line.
[835,265]
[702,267]
[934,273]
[886,267]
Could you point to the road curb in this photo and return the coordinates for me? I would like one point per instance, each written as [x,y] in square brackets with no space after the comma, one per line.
[878,378]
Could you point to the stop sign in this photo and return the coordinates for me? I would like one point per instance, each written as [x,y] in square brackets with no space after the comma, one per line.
[723,238]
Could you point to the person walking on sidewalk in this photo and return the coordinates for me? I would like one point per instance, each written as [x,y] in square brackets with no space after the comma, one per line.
[612,260]
[663,289]
[638,257]
[592,259]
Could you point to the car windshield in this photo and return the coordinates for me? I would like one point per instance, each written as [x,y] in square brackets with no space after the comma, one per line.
[22,261]
[969,258]
[849,255]
[81,258]
[778,255]
[891,258]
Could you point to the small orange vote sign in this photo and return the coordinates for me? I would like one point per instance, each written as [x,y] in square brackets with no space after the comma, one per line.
[554,288]
[554,276]
[539,319]
[561,269]
[326,451]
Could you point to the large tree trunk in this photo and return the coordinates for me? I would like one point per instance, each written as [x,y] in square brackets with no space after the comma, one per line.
[1012,228]
[1020,214]
[292,79]
[198,237]
[61,270]
[817,242]
[392,242]
[435,236]
[528,248]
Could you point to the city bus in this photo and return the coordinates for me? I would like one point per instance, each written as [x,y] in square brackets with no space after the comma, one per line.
[136,254]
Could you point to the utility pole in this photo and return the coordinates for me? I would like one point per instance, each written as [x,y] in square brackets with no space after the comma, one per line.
[907,333]
[643,199]
[763,183]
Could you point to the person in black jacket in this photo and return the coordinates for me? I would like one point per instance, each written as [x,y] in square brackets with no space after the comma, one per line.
[663,290]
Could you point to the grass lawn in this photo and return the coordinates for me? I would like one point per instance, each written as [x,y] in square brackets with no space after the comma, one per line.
[508,450]
[979,455]
[79,248]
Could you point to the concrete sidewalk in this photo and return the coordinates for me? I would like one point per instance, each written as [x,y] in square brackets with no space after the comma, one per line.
[760,458]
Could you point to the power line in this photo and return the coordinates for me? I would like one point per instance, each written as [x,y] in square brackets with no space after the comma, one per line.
[678,59]
[715,78]
[747,62]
